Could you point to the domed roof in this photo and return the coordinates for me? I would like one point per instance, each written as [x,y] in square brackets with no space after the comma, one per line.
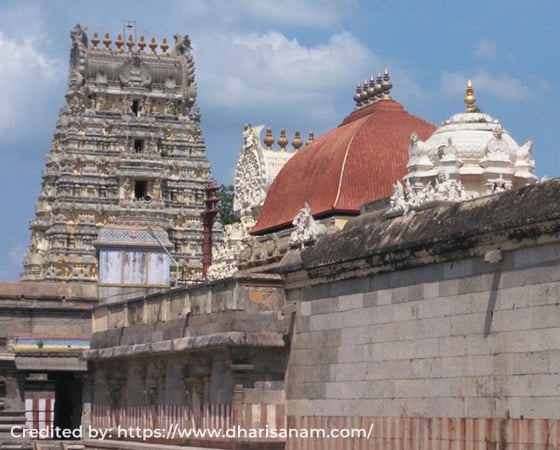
[470,133]
[473,151]
[355,163]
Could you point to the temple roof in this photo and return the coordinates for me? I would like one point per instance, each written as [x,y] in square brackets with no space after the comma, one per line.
[355,163]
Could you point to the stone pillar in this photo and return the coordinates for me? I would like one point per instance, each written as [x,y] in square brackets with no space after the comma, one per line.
[87,394]
[239,374]
[208,217]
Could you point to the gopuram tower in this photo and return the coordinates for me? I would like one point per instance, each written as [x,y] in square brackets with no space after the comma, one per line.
[127,151]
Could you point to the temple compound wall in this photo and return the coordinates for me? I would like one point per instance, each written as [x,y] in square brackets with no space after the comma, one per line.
[208,357]
[438,329]
[435,329]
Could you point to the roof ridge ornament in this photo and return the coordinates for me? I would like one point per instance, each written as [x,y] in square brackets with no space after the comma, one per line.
[470,99]
[373,90]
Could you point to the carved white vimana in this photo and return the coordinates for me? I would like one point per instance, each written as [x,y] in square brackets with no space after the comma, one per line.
[469,155]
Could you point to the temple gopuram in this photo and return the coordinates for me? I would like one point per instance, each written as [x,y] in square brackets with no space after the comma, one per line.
[128,151]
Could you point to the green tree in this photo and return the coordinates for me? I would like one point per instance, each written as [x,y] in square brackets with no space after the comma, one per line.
[225,205]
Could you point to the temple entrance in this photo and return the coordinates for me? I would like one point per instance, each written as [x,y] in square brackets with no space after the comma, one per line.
[68,400]
[53,400]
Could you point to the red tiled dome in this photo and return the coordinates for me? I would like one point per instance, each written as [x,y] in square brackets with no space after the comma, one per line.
[355,163]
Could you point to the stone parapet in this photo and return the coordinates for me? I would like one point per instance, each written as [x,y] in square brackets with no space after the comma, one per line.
[244,310]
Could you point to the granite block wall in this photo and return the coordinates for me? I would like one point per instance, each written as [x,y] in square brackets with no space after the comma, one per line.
[461,339]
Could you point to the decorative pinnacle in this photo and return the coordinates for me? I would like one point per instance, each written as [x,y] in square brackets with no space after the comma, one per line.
[310,138]
[297,142]
[119,43]
[107,43]
[130,43]
[386,85]
[470,99]
[282,140]
[373,90]
[164,46]
[95,41]
[268,139]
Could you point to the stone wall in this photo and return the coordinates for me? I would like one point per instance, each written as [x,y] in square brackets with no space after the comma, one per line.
[42,310]
[208,356]
[453,345]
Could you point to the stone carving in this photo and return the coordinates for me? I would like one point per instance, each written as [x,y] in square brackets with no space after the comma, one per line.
[182,44]
[306,229]
[89,172]
[446,189]
[402,200]
[498,185]
[524,154]
[248,189]
[77,59]
[236,239]
[498,145]
[417,149]
[135,73]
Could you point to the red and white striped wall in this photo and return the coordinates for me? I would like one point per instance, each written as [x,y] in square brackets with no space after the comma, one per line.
[39,413]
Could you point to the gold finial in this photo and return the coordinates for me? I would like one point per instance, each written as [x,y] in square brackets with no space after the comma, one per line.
[130,43]
[297,142]
[470,98]
[164,46]
[268,139]
[310,138]
[95,41]
[119,43]
[153,46]
[107,42]
[282,141]
[142,44]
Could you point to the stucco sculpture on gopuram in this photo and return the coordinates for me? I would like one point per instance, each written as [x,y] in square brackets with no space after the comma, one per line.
[127,149]
[469,155]
[256,169]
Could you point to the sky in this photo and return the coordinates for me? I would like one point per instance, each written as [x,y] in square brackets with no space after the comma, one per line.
[290,65]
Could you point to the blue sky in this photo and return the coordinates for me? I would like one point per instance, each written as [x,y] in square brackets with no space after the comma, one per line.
[286,64]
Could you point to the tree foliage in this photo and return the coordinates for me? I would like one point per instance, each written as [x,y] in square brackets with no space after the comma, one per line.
[225,205]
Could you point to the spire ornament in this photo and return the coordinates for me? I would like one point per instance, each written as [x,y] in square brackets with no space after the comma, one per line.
[130,43]
[153,46]
[164,46]
[268,139]
[310,138]
[107,42]
[119,43]
[142,45]
[358,95]
[297,142]
[386,85]
[282,140]
[470,99]
[95,41]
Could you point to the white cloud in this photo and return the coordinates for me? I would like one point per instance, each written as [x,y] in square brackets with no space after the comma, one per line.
[25,75]
[504,87]
[256,69]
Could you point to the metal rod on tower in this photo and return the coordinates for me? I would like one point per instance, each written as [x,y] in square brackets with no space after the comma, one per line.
[129,27]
